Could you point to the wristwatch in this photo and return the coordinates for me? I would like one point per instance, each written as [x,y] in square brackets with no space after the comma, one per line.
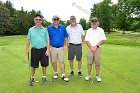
[98,46]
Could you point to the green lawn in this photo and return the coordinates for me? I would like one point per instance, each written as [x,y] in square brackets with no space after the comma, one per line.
[119,71]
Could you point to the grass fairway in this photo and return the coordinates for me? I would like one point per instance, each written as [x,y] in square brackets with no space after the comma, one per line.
[119,71]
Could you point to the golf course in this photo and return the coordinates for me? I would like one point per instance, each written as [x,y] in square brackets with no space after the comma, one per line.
[119,70]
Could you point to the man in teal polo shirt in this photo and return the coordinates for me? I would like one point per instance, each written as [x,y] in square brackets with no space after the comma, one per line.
[39,39]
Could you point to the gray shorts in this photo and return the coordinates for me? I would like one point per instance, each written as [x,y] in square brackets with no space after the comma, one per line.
[75,50]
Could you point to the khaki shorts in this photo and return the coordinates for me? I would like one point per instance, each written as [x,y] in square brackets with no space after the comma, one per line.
[94,57]
[57,54]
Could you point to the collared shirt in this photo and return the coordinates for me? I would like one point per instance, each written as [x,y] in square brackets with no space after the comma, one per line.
[75,34]
[95,36]
[57,35]
[38,36]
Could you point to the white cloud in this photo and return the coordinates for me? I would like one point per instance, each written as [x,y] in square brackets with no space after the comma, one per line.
[62,8]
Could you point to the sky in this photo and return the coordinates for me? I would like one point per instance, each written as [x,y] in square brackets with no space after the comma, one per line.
[63,8]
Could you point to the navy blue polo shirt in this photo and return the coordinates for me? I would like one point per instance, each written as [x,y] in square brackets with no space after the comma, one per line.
[57,35]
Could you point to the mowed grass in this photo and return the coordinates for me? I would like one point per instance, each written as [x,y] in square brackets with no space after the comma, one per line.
[119,70]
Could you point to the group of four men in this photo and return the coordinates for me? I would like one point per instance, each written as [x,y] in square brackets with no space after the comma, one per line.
[56,38]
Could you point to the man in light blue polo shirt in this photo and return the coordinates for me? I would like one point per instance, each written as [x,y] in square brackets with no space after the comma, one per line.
[39,38]
[58,37]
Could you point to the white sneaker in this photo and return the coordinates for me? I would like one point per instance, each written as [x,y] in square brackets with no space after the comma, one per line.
[98,79]
[55,75]
[87,77]
[65,78]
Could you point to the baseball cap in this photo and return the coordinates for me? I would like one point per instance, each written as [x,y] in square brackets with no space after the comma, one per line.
[55,17]
[72,17]
[38,15]
[94,19]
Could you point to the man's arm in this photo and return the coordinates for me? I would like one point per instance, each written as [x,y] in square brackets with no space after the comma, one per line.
[103,38]
[83,35]
[83,39]
[93,48]
[88,44]
[48,42]
[66,43]
[100,43]
[48,47]
[27,47]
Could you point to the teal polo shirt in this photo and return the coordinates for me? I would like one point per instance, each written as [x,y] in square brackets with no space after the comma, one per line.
[38,36]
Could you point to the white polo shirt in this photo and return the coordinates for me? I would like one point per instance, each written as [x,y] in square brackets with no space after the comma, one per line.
[75,34]
[95,36]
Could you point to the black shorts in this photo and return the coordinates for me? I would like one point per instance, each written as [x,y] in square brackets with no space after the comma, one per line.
[75,50]
[39,55]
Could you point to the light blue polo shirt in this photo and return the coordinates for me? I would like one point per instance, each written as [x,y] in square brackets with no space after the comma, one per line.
[38,36]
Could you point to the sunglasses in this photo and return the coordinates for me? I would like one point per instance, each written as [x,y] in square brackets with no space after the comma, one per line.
[38,19]
[56,19]
[72,19]
[94,20]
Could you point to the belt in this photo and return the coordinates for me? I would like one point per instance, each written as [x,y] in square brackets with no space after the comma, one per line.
[56,46]
[38,48]
[75,44]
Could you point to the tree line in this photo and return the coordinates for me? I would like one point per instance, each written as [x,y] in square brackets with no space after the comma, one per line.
[16,22]
[124,16]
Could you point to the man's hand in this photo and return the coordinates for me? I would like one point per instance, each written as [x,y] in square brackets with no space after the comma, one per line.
[47,52]
[82,43]
[27,51]
[94,48]
[65,47]
[27,47]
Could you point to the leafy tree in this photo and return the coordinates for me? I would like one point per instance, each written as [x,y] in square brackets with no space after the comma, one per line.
[135,14]
[103,12]
[63,22]
[67,22]
[114,13]
[123,16]
[83,23]
[93,11]
[45,23]
[9,5]
[5,21]
[30,18]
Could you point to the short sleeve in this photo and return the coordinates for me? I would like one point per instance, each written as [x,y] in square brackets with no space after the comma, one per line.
[67,29]
[103,37]
[87,37]
[47,34]
[48,29]
[65,32]
[83,33]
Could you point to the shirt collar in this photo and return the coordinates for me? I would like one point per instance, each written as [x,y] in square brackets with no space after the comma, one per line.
[39,27]
[95,29]
[54,27]
[73,27]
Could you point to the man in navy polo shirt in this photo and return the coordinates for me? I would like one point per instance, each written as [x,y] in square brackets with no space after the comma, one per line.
[58,38]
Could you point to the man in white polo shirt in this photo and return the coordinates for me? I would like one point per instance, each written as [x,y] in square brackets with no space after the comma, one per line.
[94,39]
[76,37]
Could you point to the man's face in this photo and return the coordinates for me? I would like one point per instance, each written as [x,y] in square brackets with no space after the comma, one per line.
[73,21]
[38,21]
[94,24]
[56,21]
